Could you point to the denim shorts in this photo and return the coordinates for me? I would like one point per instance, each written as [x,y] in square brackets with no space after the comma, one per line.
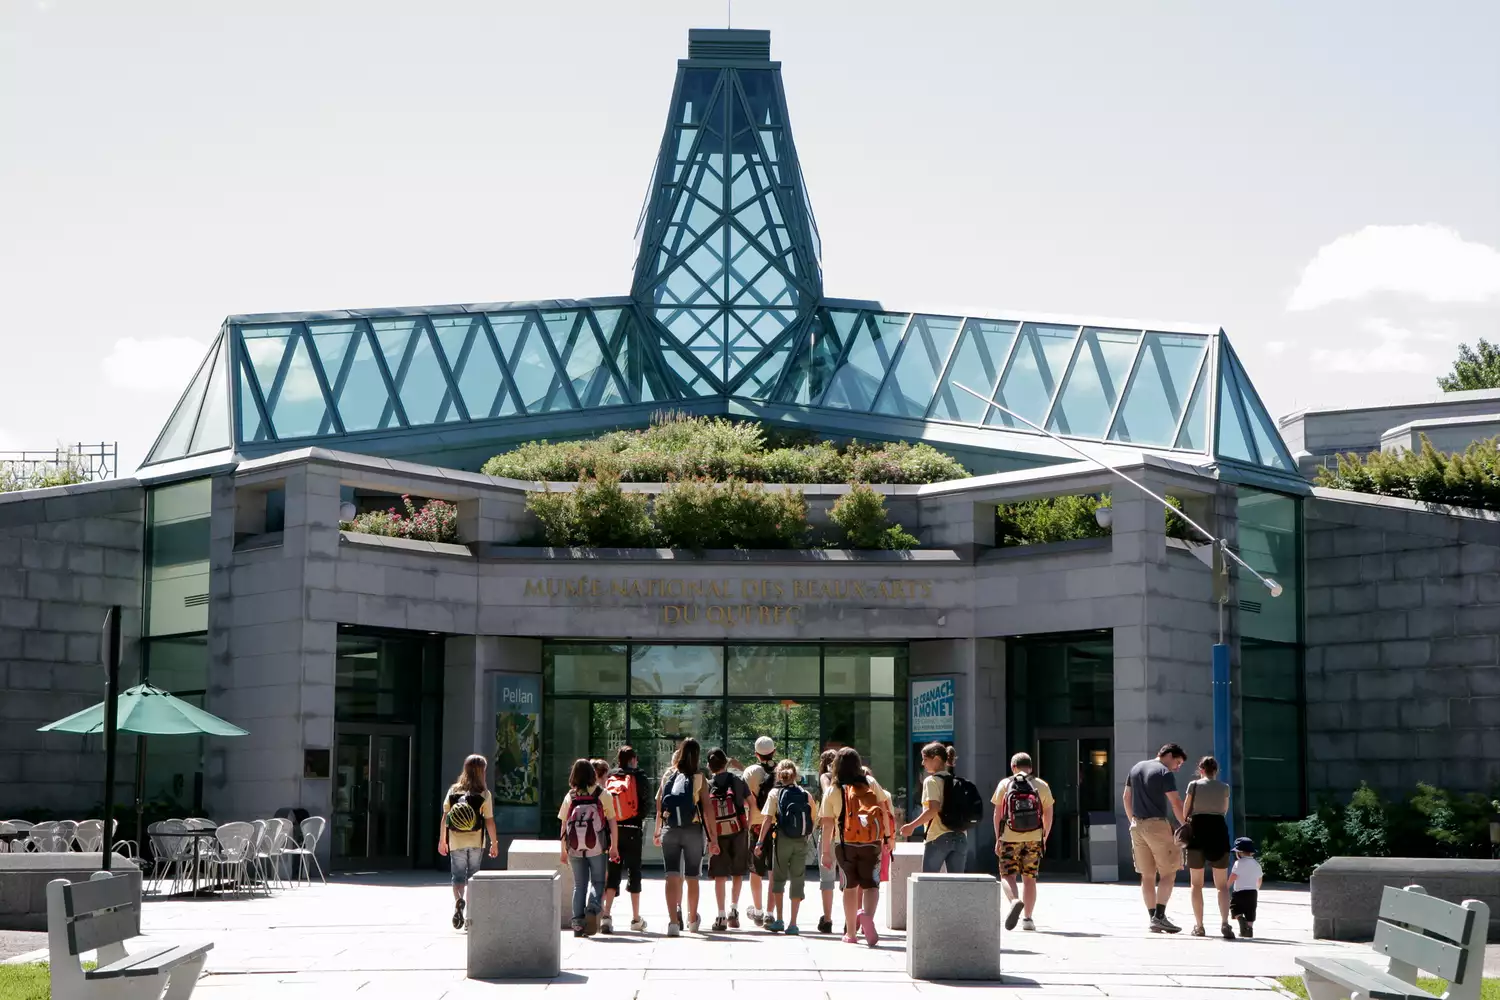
[465,862]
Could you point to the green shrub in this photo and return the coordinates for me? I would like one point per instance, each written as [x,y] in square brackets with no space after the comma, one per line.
[1470,478]
[861,516]
[66,470]
[681,447]
[597,512]
[435,521]
[1295,849]
[1067,518]
[698,515]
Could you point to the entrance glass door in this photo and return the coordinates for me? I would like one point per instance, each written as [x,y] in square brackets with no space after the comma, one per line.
[372,808]
[1076,766]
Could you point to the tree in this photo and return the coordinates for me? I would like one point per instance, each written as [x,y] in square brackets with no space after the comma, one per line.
[1474,369]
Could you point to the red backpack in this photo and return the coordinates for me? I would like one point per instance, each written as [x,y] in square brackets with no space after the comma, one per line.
[625,788]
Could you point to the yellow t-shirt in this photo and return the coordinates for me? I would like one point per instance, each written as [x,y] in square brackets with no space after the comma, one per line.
[606,801]
[775,796]
[698,782]
[832,806]
[998,799]
[754,776]
[932,798]
[460,839]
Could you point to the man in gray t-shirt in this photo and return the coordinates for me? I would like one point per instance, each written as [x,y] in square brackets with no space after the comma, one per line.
[1151,804]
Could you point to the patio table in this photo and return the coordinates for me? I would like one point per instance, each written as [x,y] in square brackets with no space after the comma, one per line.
[197,837]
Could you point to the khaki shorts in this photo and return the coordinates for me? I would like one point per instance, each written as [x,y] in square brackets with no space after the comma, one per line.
[1156,850]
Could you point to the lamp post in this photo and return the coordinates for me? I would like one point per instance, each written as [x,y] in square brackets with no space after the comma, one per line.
[1222,715]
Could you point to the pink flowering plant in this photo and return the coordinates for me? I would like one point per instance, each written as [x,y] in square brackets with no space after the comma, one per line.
[434,521]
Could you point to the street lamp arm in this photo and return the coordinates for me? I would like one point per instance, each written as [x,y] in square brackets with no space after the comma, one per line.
[1270,584]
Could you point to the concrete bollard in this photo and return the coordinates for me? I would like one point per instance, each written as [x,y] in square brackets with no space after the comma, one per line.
[543,856]
[1103,849]
[906,861]
[509,937]
[953,927]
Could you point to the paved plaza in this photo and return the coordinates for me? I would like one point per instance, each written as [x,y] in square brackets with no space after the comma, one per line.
[389,936]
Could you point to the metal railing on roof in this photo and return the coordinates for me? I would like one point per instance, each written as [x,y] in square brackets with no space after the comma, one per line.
[86,462]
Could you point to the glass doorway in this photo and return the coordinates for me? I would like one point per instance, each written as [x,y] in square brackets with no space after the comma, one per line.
[372,800]
[1076,765]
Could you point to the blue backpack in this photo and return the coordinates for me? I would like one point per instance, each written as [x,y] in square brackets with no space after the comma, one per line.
[793,811]
[677,805]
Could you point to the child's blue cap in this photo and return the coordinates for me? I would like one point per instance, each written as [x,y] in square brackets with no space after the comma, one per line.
[1245,845]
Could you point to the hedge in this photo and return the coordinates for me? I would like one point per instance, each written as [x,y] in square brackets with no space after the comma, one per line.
[1470,478]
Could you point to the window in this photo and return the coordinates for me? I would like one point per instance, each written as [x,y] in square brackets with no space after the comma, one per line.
[1271,730]
[177,530]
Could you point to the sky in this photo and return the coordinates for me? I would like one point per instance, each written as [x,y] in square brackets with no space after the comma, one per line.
[1321,180]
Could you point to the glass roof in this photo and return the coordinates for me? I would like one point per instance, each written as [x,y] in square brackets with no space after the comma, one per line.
[727,303]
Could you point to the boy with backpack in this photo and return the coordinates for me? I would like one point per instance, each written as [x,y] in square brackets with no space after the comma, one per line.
[588,834]
[760,778]
[791,812]
[1023,822]
[729,821]
[951,807]
[627,788]
[854,817]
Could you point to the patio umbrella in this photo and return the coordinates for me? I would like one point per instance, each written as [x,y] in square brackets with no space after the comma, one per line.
[148,711]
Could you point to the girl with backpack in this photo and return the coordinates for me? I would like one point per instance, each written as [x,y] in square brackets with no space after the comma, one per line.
[951,806]
[681,804]
[627,787]
[828,873]
[792,811]
[589,833]
[854,817]
[468,813]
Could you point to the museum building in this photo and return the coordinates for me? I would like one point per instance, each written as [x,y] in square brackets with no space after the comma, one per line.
[365,668]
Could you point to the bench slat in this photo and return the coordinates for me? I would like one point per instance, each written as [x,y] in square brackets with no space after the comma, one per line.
[115,970]
[86,933]
[99,894]
[1435,916]
[1431,955]
[1377,984]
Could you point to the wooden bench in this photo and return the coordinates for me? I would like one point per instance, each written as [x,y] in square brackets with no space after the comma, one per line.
[101,914]
[1417,932]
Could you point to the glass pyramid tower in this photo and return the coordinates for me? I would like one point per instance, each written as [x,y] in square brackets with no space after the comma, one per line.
[726,315]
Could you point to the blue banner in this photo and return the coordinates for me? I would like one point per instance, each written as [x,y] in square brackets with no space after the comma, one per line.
[932,709]
[518,739]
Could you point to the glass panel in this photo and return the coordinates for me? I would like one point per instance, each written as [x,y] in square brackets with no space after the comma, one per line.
[873,671]
[520,336]
[1093,384]
[213,420]
[642,381]
[351,797]
[1272,735]
[1037,364]
[877,729]
[1159,389]
[814,366]
[1270,670]
[1268,542]
[298,410]
[390,796]
[687,670]
[981,354]
[908,391]
[377,680]
[178,433]
[363,402]
[177,531]
[773,670]
[1194,433]
[854,385]
[1267,439]
[658,725]
[584,669]
[1232,440]
[422,385]
[251,428]
[583,358]
[264,348]
[795,726]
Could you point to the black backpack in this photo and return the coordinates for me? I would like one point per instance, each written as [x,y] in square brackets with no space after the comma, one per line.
[1023,805]
[767,782]
[963,806]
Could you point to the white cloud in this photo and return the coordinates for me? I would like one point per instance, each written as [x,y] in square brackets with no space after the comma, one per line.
[166,363]
[1391,351]
[1429,261]
[1275,348]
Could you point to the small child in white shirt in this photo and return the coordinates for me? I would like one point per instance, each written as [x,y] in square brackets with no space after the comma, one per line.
[1244,886]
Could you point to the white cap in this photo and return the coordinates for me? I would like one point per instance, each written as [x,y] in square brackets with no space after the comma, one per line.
[765,746]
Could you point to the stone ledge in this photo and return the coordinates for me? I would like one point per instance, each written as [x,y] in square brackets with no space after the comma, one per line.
[404,544]
[517,553]
[1346,891]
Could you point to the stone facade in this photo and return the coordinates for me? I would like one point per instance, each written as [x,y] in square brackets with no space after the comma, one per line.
[1403,645]
[66,555]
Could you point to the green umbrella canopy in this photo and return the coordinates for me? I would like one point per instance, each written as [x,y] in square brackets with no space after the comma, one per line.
[148,711]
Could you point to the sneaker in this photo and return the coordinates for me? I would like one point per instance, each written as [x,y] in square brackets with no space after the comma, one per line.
[1028,924]
[757,916]
[680,921]
[590,924]
[1014,915]
[606,924]
[792,929]
[1228,934]
[674,929]
[719,925]
[694,924]
[578,928]
[734,919]
[774,926]
[638,925]
[458,915]
[1247,929]
[1161,925]
[867,926]
[825,926]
